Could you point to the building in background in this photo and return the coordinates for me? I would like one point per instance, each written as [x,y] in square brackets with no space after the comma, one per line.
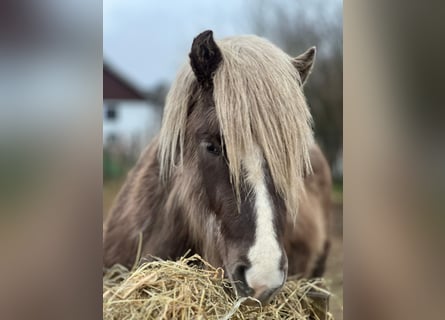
[130,119]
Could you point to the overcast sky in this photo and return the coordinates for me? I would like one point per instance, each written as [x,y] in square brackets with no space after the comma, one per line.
[148,40]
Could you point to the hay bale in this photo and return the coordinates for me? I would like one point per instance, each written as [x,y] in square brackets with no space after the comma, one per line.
[192,289]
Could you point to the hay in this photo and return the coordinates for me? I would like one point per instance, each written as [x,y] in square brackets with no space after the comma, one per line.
[192,289]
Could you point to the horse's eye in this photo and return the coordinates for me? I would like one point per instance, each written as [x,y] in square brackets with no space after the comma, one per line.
[212,148]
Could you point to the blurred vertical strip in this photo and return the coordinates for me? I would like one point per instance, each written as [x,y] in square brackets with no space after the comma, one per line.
[394,159]
[50,159]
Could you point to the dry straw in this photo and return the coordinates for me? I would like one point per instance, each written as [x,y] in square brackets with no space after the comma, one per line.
[192,289]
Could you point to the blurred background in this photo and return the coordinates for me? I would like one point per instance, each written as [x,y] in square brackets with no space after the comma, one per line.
[146,42]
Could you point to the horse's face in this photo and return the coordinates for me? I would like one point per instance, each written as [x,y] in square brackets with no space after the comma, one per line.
[249,238]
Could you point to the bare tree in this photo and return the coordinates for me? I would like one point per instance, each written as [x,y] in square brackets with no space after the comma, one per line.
[157,95]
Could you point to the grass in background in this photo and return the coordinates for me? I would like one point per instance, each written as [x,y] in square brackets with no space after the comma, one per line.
[337,192]
[109,192]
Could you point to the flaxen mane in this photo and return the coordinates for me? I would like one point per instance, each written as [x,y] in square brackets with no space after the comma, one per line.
[258,100]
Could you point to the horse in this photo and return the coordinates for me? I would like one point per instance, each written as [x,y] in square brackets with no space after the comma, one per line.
[234,175]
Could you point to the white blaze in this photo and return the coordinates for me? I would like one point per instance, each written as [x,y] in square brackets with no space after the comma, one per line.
[265,254]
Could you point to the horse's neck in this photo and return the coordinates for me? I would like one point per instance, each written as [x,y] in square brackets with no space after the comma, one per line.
[162,211]
[172,216]
[186,198]
[168,216]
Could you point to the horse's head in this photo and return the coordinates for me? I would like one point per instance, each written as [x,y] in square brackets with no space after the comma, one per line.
[241,176]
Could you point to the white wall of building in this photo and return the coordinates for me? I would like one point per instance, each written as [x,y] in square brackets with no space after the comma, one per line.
[136,123]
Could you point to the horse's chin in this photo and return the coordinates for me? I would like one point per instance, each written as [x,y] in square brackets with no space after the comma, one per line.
[253,302]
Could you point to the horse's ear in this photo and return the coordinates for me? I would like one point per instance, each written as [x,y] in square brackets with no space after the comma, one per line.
[304,63]
[205,57]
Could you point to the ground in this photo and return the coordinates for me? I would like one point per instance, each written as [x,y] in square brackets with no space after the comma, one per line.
[334,270]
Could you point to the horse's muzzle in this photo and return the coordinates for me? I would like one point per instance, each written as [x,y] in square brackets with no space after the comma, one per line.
[262,293]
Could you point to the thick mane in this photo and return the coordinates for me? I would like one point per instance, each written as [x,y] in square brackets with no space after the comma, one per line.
[258,101]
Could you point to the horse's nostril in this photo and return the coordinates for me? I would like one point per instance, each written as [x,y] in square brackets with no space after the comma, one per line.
[239,278]
[240,273]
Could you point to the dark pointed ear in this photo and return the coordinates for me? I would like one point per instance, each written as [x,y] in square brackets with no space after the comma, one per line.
[304,63]
[205,57]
